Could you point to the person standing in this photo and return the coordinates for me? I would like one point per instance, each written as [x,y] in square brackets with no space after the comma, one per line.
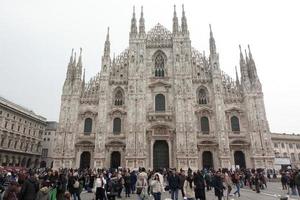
[127,184]
[182,179]
[174,183]
[157,187]
[30,188]
[141,187]
[99,186]
[133,179]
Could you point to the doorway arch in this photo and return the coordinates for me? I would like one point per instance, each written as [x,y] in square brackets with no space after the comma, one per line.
[160,154]
[207,160]
[239,159]
[43,164]
[115,160]
[85,160]
[28,165]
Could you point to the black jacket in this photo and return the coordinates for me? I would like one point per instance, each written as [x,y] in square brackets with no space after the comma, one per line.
[29,189]
[174,182]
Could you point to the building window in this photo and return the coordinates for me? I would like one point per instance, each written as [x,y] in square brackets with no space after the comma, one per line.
[290,145]
[277,155]
[293,158]
[9,142]
[298,146]
[88,124]
[44,153]
[160,103]
[5,124]
[119,100]
[276,145]
[16,142]
[235,124]
[18,128]
[282,145]
[12,127]
[44,139]
[48,139]
[159,66]
[117,125]
[298,156]
[202,97]
[285,155]
[204,125]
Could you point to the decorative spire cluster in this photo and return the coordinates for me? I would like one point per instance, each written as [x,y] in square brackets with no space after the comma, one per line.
[184,26]
[107,45]
[248,68]
[74,70]
[133,29]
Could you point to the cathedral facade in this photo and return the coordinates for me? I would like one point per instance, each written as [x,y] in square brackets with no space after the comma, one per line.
[161,103]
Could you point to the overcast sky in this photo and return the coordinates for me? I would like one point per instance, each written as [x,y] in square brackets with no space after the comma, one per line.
[36,38]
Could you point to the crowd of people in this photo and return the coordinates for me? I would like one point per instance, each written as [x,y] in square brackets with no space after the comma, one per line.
[68,184]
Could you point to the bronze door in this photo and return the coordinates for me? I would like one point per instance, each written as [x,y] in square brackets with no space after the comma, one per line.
[160,154]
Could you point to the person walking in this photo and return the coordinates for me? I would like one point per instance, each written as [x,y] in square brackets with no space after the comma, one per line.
[156,187]
[236,182]
[199,186]
[99,186]
[182,179]
[141,187]
[174,184]
[218,185]
[11,193]
[189,188]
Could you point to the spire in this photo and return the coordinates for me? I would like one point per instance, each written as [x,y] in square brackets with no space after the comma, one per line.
[79,65]
[107,45]
[243,67]
[175,21]
[184,27]
[251,66]
[83,81]
[69,70]
[133,30]
[142,23]
[212,43]
[242,60]
[71,57]
[236,76]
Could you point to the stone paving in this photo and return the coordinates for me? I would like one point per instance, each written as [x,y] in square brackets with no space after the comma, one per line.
[273,192]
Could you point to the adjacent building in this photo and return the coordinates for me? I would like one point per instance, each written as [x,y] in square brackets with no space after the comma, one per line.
[21,132]
[48,144]
[162,103]
[286,150]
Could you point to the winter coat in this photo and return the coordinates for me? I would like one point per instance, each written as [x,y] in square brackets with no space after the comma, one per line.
[29,189]
[43,194]
[174,182]
[188,191]
[156,186]
[219,187]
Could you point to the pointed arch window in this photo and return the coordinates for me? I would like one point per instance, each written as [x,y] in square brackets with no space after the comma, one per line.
[202,96]
[119,98]
[117,125]
[159,65]
[235,124]
[204,125]
[88,125]
[160,104]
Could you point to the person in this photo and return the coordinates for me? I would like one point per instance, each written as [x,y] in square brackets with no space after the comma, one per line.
[67,196]
[228,184]
[133,179]
[127,184]
[199,186]
[174,183]
[30,188]
[99,186]
[284,180]
[189,188]
[43,193]
[182,179]
[141,187]
[11,192]
[61,186]
[74,186]
[156,187]
[218,186]
[236,182]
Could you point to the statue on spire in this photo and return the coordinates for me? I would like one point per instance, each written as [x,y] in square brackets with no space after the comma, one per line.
[184,27]
[133,30]
[142,23]
[212,43]
[175,21]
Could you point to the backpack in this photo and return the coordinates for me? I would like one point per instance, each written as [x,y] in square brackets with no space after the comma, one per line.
[76,184]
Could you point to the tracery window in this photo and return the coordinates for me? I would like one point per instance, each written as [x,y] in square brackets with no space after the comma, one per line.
[202,96]
[235,124]
[160,104]
[119,100]
[88,124]
[159,66]
[204,125]
[117,125]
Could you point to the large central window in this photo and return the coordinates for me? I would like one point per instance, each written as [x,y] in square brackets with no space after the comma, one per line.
[159,63]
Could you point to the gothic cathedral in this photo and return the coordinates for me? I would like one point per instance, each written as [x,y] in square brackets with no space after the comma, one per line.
[161,103]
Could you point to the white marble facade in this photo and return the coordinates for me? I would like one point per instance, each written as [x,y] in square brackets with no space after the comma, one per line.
[162,103]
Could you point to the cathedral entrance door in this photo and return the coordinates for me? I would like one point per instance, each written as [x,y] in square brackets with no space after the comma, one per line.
[115,160]
[239,159]
[207,160]
[160,154]
[85,160]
